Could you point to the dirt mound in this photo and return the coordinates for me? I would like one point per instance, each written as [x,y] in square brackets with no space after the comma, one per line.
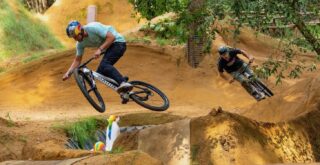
[299,99]
[310,123]
[132,157]
[225,138]
[51,150]
[115,13]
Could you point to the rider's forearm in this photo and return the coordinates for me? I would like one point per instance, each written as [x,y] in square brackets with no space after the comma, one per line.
[223,76]
[246,54]
[76,62]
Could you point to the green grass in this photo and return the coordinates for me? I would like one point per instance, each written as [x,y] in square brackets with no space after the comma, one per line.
[117,150]
[22,33]
[81,130]
[10,122]
[2,69]
[33,57]
[145,40]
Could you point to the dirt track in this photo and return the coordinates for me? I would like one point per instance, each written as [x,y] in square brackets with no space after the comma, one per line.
[35,91]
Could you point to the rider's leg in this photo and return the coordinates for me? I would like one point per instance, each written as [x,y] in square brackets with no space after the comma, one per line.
[248,70]
[244,82]
[112,55]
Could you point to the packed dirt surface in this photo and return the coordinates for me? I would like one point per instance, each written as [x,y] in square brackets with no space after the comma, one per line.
[38,93]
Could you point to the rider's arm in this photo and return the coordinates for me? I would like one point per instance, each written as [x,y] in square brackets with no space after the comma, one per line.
[220,70]
[223,76]
[247,56]
[76,62]
[109,40]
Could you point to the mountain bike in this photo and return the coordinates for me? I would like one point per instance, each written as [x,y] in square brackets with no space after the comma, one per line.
[144,94]
[256,84]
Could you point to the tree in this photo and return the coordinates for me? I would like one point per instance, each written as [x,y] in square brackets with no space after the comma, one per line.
[38,6]
[258,14]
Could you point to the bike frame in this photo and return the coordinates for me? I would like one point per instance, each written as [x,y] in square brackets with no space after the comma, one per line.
[109,82]
[103,79]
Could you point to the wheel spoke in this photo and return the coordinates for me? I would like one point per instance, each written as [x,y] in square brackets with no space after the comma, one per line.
[87,85]
[90,90]
[149,96]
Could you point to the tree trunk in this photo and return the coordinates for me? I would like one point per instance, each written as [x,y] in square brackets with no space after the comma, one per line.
[38,6]
[301,25]
[308,35]
[195,44]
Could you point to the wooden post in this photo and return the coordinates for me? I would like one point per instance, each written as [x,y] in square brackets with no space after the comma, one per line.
[195,44]
[92,12]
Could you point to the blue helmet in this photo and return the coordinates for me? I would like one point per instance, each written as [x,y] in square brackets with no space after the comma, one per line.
[222,50]
[73,29]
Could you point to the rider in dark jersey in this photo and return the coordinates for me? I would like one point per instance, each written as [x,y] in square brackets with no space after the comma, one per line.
[231,63]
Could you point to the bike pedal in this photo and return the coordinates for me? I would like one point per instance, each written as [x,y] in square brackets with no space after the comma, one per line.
[124,101]
[124,98]
[126,78]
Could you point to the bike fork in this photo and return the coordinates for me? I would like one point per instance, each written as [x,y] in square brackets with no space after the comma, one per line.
[90,74]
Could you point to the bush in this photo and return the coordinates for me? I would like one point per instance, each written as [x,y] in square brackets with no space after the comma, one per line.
[167,32]
[21,33]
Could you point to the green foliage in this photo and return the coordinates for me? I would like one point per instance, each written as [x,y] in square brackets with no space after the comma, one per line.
[145,40]
[2,69]
[33,57]
[21,33]
[117,150]
[166,31]
[194,153]
[10,122]
[82,130]
[150,9]
[196,18]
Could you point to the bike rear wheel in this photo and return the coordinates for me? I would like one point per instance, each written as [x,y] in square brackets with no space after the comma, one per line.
[89,90]
[149,96]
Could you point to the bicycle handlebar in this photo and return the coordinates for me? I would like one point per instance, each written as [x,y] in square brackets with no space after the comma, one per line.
[87,62]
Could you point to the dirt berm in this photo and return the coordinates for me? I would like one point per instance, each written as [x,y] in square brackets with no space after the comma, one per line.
[217,138]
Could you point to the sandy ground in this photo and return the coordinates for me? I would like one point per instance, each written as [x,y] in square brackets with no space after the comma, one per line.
[36,92]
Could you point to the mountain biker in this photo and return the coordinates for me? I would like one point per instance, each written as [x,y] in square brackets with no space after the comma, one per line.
[105,38]
[231,63]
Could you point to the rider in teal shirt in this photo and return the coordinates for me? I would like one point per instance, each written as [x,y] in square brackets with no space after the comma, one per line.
[107,40]
[96,36]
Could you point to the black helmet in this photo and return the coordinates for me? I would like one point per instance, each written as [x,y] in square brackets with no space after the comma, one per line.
[222,50]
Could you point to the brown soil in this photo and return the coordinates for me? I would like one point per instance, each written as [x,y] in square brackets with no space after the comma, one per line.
[131,157]
[226,138]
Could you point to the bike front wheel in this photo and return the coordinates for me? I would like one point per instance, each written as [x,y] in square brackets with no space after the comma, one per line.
[266,90]
[149,96]
[89,90]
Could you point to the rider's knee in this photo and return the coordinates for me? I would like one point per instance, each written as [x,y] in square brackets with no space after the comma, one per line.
[107,69]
